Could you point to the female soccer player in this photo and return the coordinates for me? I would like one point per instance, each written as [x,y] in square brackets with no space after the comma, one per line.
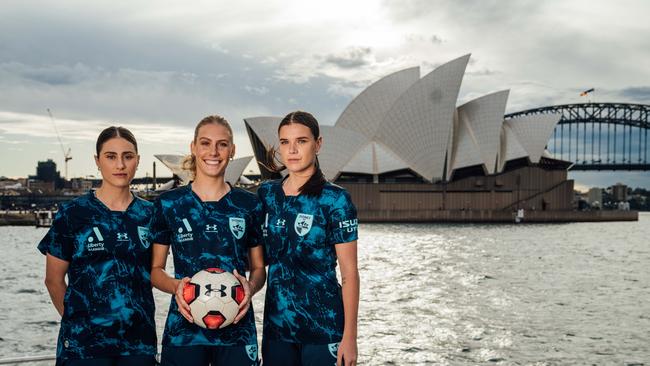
[309,224]
[100,241]
[208,223]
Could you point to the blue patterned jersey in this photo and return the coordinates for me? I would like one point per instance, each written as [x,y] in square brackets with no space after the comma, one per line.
[204,235]
[303,297]
[109,306]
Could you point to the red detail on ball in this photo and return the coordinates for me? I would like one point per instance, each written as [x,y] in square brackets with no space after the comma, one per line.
[238,294]
[191,292]
[215,270]
[213,319]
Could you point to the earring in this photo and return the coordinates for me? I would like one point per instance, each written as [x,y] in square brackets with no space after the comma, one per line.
[231,158]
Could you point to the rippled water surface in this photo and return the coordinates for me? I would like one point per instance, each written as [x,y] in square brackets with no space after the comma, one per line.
[439,294]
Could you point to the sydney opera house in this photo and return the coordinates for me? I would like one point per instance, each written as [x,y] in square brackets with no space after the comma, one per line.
[407,152]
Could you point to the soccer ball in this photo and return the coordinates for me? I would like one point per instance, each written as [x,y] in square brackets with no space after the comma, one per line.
[214,296]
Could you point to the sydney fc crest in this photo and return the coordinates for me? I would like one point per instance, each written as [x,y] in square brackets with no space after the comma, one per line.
[333,348]
[303,223]
[237,226]
[143,234]
[251,352]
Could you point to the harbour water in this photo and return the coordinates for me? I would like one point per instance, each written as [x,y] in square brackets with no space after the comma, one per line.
[434,294]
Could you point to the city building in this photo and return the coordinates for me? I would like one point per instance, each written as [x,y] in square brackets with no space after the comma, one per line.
[619,192]
[595,194]
[46,173]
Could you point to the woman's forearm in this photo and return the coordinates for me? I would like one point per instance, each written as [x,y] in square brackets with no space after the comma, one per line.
[162,281]
[256,280]
[57,289]
[350,290]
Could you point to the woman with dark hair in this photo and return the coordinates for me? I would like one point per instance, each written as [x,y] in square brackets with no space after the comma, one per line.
[100,241]
[309,319]
[207,224]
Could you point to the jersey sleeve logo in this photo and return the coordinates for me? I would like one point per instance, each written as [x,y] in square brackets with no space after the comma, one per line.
[143,234]
[303,223]
[237,226]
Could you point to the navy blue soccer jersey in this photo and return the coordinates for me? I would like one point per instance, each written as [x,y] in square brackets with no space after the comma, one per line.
[205,235]
[108,305]
[303,297]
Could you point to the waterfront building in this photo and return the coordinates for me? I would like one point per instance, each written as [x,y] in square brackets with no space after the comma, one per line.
[595,194]
[406,152]
[46,173]
[619,192]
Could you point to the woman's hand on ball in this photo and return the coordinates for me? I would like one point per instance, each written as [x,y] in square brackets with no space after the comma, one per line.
[246,303]
[183,307]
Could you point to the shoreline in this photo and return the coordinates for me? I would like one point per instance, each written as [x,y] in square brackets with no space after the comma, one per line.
[432,216]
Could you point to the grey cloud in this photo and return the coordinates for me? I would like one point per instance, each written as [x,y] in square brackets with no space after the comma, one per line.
[351,58]
[349,89]
[481,72]
[58,74]
[465,11]
[435,39]
[258,90]
[637,93]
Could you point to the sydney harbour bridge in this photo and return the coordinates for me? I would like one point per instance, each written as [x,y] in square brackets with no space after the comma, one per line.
[599,136]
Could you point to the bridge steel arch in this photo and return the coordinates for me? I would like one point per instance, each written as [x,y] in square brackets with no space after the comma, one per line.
[599,136]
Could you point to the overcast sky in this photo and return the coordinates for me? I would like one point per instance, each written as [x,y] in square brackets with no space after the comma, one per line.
[158,67]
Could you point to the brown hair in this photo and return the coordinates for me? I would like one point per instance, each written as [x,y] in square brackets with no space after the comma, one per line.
[315,184]
[113,132]
[189,163]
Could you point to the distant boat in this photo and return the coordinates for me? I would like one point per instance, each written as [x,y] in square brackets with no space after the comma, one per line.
[520,216]
[44,218]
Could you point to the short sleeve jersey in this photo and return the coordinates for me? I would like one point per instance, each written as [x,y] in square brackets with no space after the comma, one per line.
[108,305]
[303,298]
[205,235]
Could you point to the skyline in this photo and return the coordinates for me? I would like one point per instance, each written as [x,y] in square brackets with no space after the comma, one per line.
[158,69]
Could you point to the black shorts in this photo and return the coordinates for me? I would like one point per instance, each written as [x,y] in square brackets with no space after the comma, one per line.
[111,361]
[209,355]
[278,353]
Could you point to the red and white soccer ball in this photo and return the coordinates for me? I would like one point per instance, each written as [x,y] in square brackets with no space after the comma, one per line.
[214,296]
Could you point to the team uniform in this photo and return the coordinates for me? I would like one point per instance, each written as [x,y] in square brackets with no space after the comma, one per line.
[108,315]
[303,312]
[205,235]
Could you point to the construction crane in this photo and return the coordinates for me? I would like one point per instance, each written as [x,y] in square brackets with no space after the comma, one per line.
[66,155]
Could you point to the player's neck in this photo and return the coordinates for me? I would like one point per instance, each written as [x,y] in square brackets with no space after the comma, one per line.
[115,198]
[295,180]
[210,188]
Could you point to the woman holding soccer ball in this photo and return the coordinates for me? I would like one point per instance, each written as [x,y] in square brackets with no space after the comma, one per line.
[100,242]
[309,319]
[208,224]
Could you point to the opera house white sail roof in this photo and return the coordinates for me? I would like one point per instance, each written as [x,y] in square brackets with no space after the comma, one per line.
[403,121]
[477,132]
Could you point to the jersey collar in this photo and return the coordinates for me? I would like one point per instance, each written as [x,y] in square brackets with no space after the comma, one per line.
[208,205]
[98,203]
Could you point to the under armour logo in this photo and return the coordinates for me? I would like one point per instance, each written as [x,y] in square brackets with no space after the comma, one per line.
[209,227]
[209,289]
[122,236]
[280,222]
